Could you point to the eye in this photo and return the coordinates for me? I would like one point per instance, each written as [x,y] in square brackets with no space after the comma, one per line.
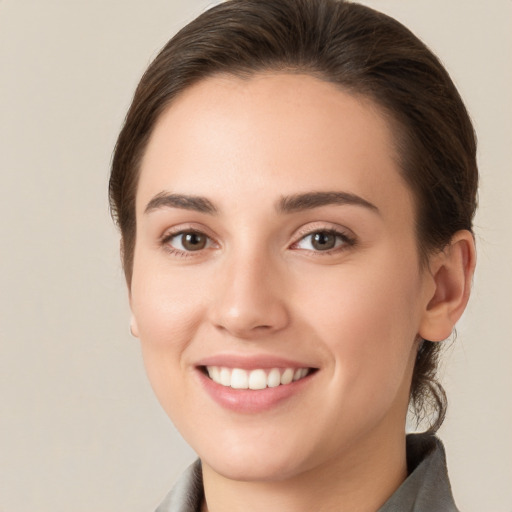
[323,240]
[188,241]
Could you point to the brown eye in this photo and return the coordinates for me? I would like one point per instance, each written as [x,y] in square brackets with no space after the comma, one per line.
[188,241]
[193,241]
[323,241]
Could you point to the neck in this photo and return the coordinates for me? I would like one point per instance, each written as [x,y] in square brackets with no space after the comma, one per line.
[361,480]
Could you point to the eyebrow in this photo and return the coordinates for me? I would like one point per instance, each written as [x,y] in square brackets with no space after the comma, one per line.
[310,200]
[186,202]
[287,204]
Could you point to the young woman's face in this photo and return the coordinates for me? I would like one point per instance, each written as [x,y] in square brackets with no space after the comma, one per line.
[276,238]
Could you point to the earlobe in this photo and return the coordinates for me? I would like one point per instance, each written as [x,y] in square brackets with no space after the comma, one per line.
[452,272]
[134,329]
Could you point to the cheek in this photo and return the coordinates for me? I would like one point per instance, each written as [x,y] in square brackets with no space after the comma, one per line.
[368,316]
[166,305]
[167,310]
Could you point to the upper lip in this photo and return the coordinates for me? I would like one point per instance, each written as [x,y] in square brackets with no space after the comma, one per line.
[253,362]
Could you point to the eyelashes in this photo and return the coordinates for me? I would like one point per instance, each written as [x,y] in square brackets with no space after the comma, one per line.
[324,241]
[191,242]
[187,242]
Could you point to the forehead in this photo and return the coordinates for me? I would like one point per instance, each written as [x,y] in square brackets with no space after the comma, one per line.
[268,134]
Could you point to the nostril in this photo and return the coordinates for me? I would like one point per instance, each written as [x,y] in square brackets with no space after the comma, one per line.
[246,312]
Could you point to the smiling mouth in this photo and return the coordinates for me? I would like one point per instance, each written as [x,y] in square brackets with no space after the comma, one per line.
[238,378]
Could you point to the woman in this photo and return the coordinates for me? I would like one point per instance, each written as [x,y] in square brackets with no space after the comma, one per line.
[295,185]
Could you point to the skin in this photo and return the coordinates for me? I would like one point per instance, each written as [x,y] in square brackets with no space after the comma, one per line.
[259,287]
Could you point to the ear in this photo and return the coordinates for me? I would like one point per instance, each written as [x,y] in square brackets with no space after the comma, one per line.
[451,272]
[134,328]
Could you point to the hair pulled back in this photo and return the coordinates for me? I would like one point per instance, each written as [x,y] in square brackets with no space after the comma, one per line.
[362,51]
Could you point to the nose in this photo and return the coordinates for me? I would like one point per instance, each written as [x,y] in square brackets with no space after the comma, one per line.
[250,298]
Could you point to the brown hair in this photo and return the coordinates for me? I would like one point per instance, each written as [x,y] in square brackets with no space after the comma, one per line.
[363,52]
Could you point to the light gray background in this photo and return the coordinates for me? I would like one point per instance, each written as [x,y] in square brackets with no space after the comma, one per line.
[79,427]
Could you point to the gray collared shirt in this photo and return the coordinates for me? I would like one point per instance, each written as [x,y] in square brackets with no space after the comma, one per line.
[426,489]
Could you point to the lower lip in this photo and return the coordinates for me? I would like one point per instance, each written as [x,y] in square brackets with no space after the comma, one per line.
[249,400]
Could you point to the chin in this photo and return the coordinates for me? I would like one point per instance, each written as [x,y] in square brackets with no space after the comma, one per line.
[246,470]
[256,460]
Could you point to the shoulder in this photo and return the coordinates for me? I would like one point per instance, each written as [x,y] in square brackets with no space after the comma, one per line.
[427,487]
[187,493]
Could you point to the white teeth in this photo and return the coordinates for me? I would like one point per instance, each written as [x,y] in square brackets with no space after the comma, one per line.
[287,376]
[238,378]
[257,379]
[215,372]
[274,378]
[224,377]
